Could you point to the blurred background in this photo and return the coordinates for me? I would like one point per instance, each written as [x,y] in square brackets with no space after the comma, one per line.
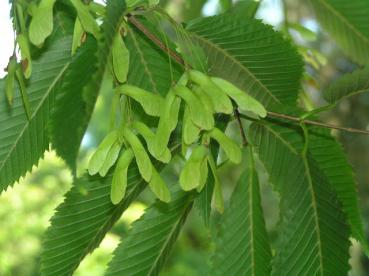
[25,210]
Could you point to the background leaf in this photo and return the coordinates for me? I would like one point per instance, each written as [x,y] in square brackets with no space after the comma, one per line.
[347,23]
[348,85]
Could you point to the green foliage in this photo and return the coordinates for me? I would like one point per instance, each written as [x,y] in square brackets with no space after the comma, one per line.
[243,222]
[229,42]
[82,221]
[308,203]
[88,89]
[25,141]
[346,22]
[147,246]
[348,85]
[229,63]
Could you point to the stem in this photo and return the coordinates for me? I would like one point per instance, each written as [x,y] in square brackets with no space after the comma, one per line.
[315,123]
[175,56]
[243,136]
[132,19]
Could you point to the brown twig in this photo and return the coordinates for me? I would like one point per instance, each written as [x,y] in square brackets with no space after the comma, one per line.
[315,123]
[176,57]
[243,135]
[132,19]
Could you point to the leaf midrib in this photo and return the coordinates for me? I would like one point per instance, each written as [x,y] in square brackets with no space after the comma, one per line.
[235,61]
[35,113]
[344,20]
[144,63]
[312,193]
[174,228]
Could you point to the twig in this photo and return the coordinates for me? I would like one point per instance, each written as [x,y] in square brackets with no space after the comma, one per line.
[176,57]
[155,39]
[315,123]
[243,135]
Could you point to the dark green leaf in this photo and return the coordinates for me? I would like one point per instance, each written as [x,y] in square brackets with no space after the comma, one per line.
[346,22]
[77,97]
[242,243]
[313,234]
[257,58]
[148,244]
[348,85]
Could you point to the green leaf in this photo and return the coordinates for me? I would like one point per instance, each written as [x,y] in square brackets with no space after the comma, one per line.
[42,22]
[330,157]
[81,222]
[142,158]
[94,212]
[348,85]
[243,100]
[158,186]
[149,242]
[88,22]
[68,115]
[23,141]
[231,149]
[242,243]
[151,102]
[120,55]
[313,234]
[257,58]
[346,22]
[149,67]
[244,8]
[120,177]
[77,97]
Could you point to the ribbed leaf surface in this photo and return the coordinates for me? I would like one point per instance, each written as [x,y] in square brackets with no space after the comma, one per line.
[149,67]
[347,22]
[251,55]
[148,244]
[348,85]
[329,155]
[82,88]
[92,226]
[313,234]
[242,244]
[81,222]
[23,142]
[68,115]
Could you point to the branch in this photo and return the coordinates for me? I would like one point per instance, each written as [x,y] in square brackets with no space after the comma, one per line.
[132,19]
[176,57]
[315,123]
